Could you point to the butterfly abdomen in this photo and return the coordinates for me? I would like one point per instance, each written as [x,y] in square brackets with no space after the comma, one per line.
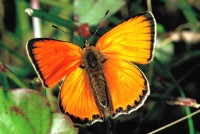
[93,62]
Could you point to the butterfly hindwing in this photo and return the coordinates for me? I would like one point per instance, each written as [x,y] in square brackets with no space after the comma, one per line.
[53,59]
[131,40]
[128,86]
[77,99]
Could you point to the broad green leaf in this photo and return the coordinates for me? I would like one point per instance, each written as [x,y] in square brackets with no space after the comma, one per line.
[92,11]
[62,124]
[25,111]
[12,118]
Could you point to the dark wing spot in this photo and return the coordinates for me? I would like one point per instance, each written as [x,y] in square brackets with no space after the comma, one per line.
[95,116]
[129,107]
[86,120]
[119,109]
[136,103]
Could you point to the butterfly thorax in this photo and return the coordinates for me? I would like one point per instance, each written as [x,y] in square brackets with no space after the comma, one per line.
[93,62]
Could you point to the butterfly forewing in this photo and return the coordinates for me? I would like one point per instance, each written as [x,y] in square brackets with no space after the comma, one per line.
[131,40]
[53,59]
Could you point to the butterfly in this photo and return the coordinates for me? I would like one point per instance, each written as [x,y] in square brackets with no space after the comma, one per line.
[101,81]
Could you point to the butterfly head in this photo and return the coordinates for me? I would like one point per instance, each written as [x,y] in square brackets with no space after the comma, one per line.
[87,44]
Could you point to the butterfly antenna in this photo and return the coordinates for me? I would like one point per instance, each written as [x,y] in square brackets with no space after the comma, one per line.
[100,23]
[64,32]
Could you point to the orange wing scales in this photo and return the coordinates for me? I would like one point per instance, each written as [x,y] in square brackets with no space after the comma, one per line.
[132,40]
[77,99]
[127,84]
[53,59]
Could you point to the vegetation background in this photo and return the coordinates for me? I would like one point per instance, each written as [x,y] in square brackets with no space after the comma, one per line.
[173,73]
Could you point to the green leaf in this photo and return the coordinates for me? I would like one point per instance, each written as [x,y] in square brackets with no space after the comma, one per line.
[25,111]
[51,18]
[164,51]
[22,20]
[62,124]
[12,76]
[160,28]
[92,11]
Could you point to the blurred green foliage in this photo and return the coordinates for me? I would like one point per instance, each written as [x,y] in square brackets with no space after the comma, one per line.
[173,73]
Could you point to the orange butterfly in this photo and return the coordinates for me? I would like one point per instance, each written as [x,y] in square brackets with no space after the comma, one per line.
[101,82]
